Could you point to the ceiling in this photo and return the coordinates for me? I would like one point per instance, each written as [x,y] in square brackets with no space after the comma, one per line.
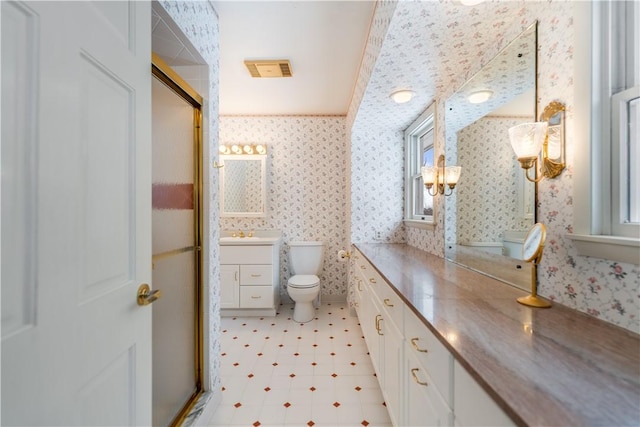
[323,40]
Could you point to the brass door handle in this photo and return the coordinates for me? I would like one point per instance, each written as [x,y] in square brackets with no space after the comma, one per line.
[415,377]
[146,296]
[372,280]
[413,343]
[359,283]
[387,302]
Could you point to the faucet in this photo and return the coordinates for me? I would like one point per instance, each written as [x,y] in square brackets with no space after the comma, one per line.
[241,234]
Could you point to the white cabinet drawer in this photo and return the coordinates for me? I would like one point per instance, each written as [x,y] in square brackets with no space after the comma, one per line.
[473,406]
[256,275]
[424,404]
[256,296]
[391,303]
[246,254]
[431,354]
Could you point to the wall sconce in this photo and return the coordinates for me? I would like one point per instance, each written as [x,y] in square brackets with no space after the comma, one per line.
[439,176]
[527,139]
[243,149]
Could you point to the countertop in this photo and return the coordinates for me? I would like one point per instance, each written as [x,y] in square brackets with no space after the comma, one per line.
[553,366]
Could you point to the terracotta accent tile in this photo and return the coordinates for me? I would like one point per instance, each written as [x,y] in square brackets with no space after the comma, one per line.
[334,375]
[259,354]
[292,375]
[223,388]
[296,354]
[353,363]
[267,389]
[256,424]
[223,354]
[172,196]
[312,388]
[246,345]
[336,404]
[237,405]
[332,353]
[313,363]
[275,364]
[365,423]
[250,376]
[236,364]
[287,404]
[358,388]
[311,423]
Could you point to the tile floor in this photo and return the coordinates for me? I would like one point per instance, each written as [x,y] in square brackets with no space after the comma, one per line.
[276,372]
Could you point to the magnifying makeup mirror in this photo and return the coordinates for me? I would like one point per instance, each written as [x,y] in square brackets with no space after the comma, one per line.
[532,252]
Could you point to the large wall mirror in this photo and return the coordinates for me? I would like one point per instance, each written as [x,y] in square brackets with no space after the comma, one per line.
[493,205]
[243,189]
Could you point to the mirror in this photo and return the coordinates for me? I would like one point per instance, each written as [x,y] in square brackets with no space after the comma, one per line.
[532,252]
[243,185]
[493,207]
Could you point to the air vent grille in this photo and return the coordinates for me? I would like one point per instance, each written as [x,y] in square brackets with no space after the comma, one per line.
[269,68]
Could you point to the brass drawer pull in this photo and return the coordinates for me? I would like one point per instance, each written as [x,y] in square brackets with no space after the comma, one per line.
[372,280]
[378,324]
[413,343]
[363,267]
[256,275]
[387,302]
[359,283]
[415,377]
[254,297]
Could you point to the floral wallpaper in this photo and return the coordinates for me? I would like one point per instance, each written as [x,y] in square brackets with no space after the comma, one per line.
[483,216]
[199,23]
[433,51]
[306,187]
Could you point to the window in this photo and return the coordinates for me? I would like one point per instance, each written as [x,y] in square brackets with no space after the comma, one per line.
[419,139]
[607,114]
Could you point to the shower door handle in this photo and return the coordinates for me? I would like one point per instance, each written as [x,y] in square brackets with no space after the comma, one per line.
[146,296]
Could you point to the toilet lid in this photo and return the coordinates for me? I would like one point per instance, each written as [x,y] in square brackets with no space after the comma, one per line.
[303,281]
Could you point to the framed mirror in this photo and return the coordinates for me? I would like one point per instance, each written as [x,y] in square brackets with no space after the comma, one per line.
[243,189]
[493,206]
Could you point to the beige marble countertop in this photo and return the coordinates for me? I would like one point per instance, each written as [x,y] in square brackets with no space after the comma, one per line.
[555,367]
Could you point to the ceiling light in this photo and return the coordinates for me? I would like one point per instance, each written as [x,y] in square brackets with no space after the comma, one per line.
[402,96]
[471,2]
[480,96]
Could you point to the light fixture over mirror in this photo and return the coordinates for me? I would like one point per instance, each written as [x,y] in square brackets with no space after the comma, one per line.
[440,176]
[246,149]
[527,139]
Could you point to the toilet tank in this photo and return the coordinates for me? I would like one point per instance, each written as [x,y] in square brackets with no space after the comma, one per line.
[306,257]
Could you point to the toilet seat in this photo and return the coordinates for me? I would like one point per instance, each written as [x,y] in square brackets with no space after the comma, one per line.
[302,281]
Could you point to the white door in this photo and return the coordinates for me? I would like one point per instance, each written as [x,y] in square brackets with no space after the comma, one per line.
[76,209]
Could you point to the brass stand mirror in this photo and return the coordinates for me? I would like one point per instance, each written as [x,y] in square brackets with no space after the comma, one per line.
[532,252]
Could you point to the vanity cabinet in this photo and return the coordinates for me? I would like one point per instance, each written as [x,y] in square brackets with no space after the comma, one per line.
[381,320]
[419,379]
[428,375]
[249,277]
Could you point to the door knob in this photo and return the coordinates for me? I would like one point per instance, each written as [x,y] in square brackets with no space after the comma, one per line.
[146,296]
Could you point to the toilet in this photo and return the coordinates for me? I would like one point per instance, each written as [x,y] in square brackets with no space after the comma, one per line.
[304,286]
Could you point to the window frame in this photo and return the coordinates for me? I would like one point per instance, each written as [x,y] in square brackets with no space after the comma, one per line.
[592,234]
[421,126]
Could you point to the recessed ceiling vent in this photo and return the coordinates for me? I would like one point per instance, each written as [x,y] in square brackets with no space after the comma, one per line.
[269,68]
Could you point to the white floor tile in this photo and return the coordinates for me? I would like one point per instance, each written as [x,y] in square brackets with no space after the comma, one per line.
[277,372]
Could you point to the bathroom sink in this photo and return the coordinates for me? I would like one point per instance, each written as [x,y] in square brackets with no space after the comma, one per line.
[263,237]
